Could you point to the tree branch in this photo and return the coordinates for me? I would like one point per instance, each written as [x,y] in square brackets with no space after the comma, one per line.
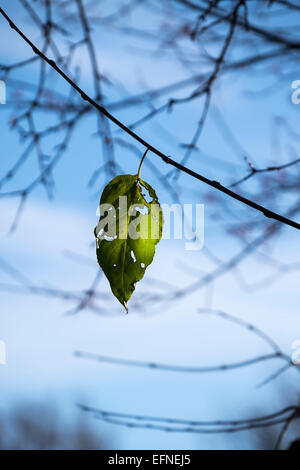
[215,184]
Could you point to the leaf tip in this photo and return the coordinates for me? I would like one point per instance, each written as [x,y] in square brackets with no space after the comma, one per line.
[125,306]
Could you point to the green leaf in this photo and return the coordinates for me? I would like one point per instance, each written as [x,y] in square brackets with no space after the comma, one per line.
[130,226]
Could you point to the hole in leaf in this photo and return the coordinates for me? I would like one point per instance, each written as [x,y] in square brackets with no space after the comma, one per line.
[109,239]
[143,265]
[143,210]
[133,256]
[146,194]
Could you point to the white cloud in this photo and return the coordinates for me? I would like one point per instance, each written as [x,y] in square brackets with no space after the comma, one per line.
[45,228]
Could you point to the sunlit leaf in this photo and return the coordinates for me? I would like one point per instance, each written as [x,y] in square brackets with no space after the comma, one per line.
[130,226]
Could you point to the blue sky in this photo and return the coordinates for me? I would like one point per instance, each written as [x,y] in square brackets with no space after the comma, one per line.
[40,339]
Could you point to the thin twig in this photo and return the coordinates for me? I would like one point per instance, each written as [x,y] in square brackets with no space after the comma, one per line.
[215,184]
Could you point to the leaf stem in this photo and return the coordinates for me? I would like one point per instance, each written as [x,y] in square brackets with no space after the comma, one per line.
[140,167]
